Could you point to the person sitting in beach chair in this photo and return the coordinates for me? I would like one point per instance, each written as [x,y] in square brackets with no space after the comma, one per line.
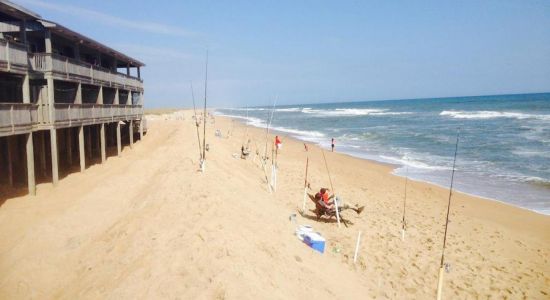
[325,204]
[325,199]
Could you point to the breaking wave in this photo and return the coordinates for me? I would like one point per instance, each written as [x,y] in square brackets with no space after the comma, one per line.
[338,112]
[303,134]
[486,114]
[412,163]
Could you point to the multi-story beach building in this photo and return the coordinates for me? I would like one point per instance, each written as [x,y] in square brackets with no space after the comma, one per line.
[65,100]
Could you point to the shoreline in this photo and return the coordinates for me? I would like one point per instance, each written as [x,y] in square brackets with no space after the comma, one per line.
[394,166]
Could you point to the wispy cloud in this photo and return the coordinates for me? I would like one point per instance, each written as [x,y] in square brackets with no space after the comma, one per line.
[107,19]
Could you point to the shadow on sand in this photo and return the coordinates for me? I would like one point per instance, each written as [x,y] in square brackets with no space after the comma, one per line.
[326,220]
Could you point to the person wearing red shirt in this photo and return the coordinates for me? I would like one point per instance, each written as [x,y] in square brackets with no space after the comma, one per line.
[278,143]
[327,199]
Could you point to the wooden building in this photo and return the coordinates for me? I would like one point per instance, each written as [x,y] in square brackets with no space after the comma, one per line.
[65,99]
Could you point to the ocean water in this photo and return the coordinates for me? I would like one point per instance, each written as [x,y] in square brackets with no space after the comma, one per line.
[503,150]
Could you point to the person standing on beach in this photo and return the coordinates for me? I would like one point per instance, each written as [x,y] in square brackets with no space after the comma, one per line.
[278,144]
[332,144]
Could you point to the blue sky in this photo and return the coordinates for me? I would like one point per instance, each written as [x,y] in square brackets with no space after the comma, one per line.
[320,51]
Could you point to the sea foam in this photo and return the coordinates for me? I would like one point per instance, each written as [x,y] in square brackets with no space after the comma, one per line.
[343,112]
[486,114]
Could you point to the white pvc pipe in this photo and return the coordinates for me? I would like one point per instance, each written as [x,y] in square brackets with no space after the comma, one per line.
[274,178]
[337,213]
[265,174]
[357,247]
[440,284]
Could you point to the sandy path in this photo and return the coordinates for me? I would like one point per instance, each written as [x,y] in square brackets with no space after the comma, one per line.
[147,225]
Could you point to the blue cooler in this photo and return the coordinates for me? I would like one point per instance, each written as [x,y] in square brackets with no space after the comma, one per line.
[315,241]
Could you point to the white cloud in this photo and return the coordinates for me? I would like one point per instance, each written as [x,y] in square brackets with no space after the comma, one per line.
[106,19]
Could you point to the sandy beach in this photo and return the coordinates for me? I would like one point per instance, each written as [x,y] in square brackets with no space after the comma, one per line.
[148,225]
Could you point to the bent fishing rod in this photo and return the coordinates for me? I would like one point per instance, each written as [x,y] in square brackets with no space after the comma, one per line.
[204,120]
[196,121]
[441,265]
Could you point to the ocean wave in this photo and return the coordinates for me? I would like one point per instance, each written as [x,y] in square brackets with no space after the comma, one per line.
[289,109]
[531,153]
[286,109]
[300,133]
[413,163]
[522,178]
[487,114]
[391,113]
[536,180]
[244,109]
[252,121]
[342,112]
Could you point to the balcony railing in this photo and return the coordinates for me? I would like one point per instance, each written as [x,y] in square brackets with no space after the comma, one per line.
[13,55]
[69,67]
[17,117]
[95,113]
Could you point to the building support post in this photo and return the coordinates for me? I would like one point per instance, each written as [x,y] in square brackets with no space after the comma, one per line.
[81,148]
[48,41]
[30,165]
[141,128]
[100,95]
[102,138]
[131,131]
[10,159]
[78,96]
[54,153]
[51,98]
[117,97]
[26,89]
[118,141]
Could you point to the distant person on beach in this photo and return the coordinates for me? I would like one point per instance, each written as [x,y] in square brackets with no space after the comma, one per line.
[332,144]
[244,152]
[278,143]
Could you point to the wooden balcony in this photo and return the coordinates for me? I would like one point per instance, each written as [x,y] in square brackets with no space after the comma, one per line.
[67,68]
[13,57]
[17,118]
[67,115]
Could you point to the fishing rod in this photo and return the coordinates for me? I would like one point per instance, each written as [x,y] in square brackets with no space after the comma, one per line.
[246,129]
[273,168]
[403,221]
[332,188]
[441,265]
[204,119]
[305,186]
[196,121]
[270,118]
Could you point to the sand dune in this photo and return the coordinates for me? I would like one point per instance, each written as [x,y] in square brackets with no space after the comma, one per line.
[148,225]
